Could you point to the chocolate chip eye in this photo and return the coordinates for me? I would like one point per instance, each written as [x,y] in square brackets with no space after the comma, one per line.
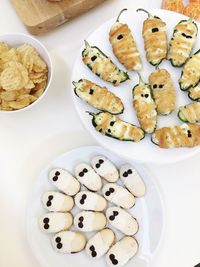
[59,245]
[93,58]
[129,171]
[146,95]
[161,85]
[92,248]
[58,239]
[85,170]
[125,174]
[81,218]
[98,165]
[115,213]
[112,123]
[111,218]
[94,254]
[101,161]
[112,256]
[91,91]
[81,174]
[112,190]
[48,203]
[46,220]
[155,30]
[57,173]
[50,197]
[119,37]
[155,86]
[80,225]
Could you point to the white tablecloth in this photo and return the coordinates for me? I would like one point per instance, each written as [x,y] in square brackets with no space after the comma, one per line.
[30,140]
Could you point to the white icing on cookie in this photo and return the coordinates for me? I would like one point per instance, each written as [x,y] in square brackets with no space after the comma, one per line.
[64,181]
[105,168]
[87,221]
[90,201]
[100,243]
[122,220]
[68,242]
[118,195]
[56,201]
[88,177]
[132,180]
[121,252]
[54,222]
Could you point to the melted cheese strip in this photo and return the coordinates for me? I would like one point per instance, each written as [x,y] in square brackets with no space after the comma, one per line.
[145,107]
[194,92]
[187,135]
[165,97]
[124,46]
[103,66]
[191,72]
[99,97]
[155,42]
[111,125]
[182,42]
[190,113]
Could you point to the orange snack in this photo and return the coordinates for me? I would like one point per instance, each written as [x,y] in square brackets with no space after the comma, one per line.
[192,10]
[174,5]
[194,1]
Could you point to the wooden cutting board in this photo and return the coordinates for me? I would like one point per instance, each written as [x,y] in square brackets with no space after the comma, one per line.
[40,16]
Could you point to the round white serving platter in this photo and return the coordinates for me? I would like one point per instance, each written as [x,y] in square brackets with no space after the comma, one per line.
[145,150]
[148,210]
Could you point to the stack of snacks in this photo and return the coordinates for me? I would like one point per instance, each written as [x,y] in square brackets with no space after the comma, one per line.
[23,76]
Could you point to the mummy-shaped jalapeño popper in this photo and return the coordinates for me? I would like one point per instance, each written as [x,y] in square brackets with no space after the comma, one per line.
[182,42]
[101,65]
[186,135]
[164,92]
[112,126]
[194,93]
[190,113]
[98,97]
[155,39]
[145,106]
[190,76]
[124,45]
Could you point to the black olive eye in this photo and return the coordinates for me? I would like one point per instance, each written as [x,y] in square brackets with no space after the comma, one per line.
[119,37]
[91,92]
[186,36]
[155,86]
[142,95]
[112,123]
[109,130]
[161,85]
[114,81]
[93,58]
[189,133]
[155,30]
[146,95]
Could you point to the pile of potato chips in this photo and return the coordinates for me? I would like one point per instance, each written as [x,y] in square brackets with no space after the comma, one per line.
[23,76]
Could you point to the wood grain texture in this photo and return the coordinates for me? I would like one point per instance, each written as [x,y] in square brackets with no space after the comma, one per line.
[41,16]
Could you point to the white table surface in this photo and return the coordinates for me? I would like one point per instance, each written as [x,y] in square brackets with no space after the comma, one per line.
[30,140]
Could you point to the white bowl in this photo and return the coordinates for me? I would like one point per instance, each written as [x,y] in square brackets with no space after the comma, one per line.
[17,39]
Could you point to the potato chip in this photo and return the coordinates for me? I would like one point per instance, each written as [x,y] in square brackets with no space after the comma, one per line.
[29,85]
[10,55]
[3,47]
[9,95]
[21,102]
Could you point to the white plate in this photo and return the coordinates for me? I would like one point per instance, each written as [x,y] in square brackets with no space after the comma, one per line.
[145,150]
[148,211]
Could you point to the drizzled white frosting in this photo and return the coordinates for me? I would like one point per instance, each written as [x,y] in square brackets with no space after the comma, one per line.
[93,201]
[67,237]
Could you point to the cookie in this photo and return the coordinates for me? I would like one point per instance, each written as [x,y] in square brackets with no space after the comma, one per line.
[54,222]
[132,180]
[64,181]
[105,168]
[87,221]
[118,195]
[56,201]
[100,243]
[121,252]
[88,177]
[122,220]
[86,200]
[69,242]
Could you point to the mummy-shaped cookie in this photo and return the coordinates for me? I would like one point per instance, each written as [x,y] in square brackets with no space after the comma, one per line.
[54,222]
[100,243]
[118,195]
[56,201]
[132,180]
[87,221]
[69,242]
[122,252]
[105,168]
[88,177]
[122,220]
[64,181]
[86,200]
